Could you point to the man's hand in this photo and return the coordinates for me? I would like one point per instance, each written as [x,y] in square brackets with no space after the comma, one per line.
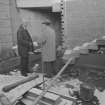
[35,44]
[30,53]
[37,50]
[44,42]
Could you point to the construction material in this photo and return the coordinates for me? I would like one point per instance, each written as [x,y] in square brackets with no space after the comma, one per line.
[48,97]
[12,86]
[100,42]
[52,81]
[65,89]
[63,102]
[9,79]
[17,93]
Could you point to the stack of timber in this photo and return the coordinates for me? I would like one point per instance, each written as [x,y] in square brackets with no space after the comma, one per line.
[48,99]
[89,67]
[13,87]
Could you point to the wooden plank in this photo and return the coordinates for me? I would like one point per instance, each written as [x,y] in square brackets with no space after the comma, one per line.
[63,102]
[48,95]
[16,93]
[60,91]
[8,79]
[49,98]
[29,102]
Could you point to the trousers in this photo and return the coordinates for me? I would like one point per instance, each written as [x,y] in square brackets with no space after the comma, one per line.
[24,65]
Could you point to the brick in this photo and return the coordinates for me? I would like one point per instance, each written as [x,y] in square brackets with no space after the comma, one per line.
[4,14]
[6,45]
[5,31]
[4,7]
[6,38]
[5,23]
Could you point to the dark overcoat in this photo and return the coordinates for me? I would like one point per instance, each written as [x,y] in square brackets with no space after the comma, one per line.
[24,41]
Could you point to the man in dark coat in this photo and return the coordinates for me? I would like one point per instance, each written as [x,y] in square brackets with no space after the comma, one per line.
[25,46]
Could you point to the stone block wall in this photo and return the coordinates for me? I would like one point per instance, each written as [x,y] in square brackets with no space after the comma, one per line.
[5,25]
[84,20]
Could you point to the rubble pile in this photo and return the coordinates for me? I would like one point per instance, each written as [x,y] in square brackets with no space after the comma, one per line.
[66,88]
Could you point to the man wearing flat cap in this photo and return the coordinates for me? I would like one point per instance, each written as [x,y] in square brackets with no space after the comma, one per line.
[25,46]
[48,48]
